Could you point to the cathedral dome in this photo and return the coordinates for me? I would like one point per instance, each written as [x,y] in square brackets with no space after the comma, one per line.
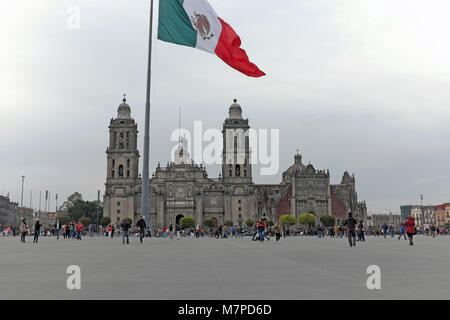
[124,110]
[297,166]
[235,110]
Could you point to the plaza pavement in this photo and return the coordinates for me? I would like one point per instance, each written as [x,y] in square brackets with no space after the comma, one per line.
[294,268]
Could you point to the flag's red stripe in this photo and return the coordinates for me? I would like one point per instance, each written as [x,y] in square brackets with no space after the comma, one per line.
[228,49]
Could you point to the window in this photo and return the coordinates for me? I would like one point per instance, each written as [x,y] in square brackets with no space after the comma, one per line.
[231,173]
[238,171]
[113,173]
[118,211]
[120,171]
[128,163]
[239,208]
[128,173]
[245,173]
[239,201]
[113,162]
[118,203]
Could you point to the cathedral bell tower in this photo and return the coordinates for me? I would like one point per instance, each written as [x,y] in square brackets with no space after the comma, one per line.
[122,166]
[236,164]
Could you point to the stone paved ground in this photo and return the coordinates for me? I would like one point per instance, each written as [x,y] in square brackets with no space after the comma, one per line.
[295,268]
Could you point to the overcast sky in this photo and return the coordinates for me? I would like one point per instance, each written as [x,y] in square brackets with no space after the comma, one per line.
[357,85]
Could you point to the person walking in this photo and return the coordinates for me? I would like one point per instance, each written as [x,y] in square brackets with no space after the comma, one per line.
[391,231]
[125,228]
[351,222]
[142,227]
[37,231]
[256,230]
[384,228]
[23,230]
[57,228]
[112,231]
[361,230]
[410,229]
[78,230]
[178,232]
[402,231]
[277,230]
[433,230]
[171,231]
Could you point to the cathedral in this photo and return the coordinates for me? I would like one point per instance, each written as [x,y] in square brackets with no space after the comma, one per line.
[183,188]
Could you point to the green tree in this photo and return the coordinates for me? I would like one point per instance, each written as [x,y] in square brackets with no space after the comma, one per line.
[327,220]
[64,220]
[287,219]
[209,223]
[229,223]
[85,221]
[249,222]
[187,222]
[307,219]
[105,221]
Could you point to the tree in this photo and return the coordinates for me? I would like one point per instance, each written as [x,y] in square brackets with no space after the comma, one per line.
[64,220]
[209,223]
[187,222]
[105,221]
[327,220]
[228,223]
[287,219]
[76,208]
[307,219]
[249,222]
[85,220]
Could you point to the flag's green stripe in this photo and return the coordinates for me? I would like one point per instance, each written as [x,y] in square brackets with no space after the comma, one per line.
[174,24]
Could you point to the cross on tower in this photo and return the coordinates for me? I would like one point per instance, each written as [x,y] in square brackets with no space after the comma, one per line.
[124,97]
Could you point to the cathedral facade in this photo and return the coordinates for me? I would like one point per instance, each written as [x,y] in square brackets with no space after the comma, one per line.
[183,188]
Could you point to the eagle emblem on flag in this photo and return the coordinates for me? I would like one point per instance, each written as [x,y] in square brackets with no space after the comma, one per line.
[201,24]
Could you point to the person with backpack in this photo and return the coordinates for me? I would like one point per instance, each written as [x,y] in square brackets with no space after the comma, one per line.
[351,222]
[125,225]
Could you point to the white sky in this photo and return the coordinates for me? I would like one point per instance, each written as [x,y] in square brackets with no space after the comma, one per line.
[357,85]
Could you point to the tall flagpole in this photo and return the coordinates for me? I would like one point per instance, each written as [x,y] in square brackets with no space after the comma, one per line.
[145,210]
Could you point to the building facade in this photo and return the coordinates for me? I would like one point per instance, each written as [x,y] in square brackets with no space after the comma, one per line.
[394,220]
[442,215]
[11,213]
[183,189]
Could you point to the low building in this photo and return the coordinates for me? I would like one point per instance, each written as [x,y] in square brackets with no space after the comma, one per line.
[423,215]
[442,215]
[394,220]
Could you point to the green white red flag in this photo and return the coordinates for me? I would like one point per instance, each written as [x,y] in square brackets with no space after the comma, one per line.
[194,23]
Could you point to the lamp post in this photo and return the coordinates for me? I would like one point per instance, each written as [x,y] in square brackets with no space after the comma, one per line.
[21,198]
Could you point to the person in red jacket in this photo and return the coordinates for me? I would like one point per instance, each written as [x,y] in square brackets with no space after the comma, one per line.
[410,229]
[79,229]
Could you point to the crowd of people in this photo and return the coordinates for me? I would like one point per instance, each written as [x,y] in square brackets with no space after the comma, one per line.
[351,229]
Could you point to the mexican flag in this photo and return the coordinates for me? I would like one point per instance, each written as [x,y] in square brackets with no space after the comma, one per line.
[194,23]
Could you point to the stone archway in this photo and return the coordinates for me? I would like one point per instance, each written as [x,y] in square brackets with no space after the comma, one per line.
[178,218]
